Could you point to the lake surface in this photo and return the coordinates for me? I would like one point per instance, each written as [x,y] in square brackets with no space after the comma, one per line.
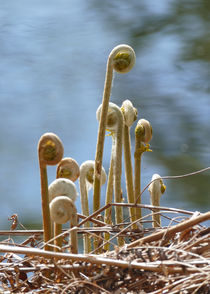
[53,58]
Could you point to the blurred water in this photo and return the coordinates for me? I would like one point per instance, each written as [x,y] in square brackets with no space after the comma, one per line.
[53,58]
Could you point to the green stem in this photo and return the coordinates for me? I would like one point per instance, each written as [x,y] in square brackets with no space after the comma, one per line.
[129,172]
[137,181]
[143,135]
[101,137]
[139,134]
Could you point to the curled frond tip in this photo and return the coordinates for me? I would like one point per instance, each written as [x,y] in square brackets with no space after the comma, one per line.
[144,130]
[114,116]
[68,168]
[123,58]
[50,149]
[130,113]
[62,209]
[64,187]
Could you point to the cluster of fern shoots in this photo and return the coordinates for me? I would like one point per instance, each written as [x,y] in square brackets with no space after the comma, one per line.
[58,199]
[141,258]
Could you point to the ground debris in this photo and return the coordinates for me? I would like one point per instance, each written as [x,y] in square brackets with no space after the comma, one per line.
[177,262]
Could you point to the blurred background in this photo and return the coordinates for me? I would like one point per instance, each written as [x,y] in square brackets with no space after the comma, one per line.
[53,57]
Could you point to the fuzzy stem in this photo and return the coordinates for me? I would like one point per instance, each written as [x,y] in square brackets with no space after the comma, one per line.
[109,195]
[115,124]
[156,189]
[156,216]
[73,234]
[59,240]
[86,182]
[117,177]
[155,201]
[129,172]
[85,211]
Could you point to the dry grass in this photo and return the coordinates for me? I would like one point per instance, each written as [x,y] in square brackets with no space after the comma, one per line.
[170,259]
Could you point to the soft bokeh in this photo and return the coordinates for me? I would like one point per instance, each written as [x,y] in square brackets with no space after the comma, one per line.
[53,57]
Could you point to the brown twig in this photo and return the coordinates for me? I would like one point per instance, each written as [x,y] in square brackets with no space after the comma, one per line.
[172,230]
[172,267]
